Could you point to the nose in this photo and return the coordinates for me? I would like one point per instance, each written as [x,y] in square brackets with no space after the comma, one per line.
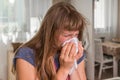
[74,36]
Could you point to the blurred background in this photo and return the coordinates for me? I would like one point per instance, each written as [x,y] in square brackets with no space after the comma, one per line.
[20,20]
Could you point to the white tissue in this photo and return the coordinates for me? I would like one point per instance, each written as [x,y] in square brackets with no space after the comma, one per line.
[75,40]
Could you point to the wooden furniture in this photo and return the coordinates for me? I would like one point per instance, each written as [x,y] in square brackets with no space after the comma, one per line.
[100,58]
[112,48]
[114,78]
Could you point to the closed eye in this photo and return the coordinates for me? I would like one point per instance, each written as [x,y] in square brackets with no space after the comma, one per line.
[67,35]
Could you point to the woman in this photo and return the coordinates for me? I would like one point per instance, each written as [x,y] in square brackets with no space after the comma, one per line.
[44,57]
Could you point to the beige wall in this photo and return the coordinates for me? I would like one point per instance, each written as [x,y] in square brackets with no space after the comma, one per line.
[55,1]
[118,32]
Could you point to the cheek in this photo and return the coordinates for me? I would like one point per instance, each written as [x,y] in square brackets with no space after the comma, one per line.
[61,40]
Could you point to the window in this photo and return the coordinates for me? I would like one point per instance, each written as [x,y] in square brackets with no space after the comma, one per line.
[100,16]
[105,17]
[19,19]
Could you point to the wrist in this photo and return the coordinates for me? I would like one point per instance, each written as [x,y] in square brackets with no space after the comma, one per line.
[62,74]
[63,70]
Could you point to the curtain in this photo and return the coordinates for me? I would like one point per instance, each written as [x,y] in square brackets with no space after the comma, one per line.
[12,20]
[105,18]
[16,18]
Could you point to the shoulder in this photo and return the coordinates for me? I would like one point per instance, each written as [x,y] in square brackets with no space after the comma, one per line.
[25,50]
[26,54]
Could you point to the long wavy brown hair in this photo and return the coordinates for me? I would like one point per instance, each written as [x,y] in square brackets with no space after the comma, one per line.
[61,15]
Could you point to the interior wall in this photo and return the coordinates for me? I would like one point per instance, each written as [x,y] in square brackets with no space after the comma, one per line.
[39,7]
[55,1]
[118,30]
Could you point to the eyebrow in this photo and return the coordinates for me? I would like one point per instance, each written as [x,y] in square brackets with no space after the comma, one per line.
[70,33]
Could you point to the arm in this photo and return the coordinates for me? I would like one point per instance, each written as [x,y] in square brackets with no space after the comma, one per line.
[62,74]
[24,70]
[79,73]
[24,64]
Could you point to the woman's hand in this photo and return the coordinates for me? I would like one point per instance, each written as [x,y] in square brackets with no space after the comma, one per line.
[67,59]
[80,51]
[68,56]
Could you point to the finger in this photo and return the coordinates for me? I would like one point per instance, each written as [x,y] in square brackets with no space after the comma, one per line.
[80,42]
[63,50]
[80,51]
[80,45]
[68,49]
[73,51]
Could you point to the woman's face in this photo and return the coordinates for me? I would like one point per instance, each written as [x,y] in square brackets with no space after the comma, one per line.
[64,35]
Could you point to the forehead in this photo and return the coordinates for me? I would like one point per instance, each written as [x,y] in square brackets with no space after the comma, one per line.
[69,32]
[63,31]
